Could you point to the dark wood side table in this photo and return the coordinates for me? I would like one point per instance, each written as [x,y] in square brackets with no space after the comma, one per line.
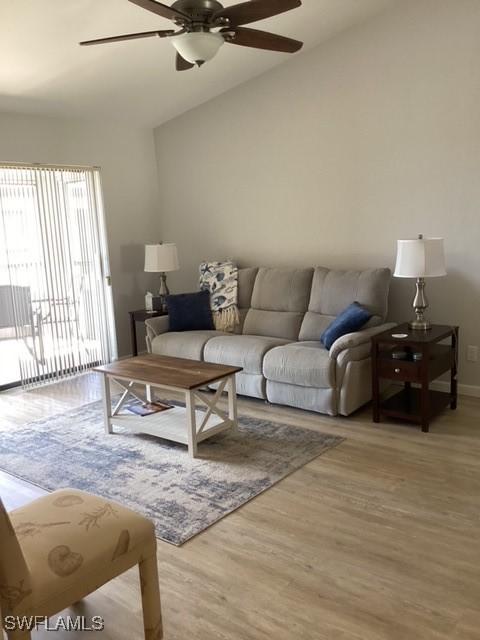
[417,404]
[140,315]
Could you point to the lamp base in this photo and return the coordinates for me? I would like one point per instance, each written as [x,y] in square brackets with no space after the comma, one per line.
[420,304]
[420,325]
[163,292]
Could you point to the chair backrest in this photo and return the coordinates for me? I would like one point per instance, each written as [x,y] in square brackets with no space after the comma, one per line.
[15,306]
[14,575]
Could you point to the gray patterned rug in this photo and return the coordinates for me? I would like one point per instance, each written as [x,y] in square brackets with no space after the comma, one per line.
[183,496]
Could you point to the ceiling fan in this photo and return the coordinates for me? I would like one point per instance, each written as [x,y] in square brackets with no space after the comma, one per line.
[205,25]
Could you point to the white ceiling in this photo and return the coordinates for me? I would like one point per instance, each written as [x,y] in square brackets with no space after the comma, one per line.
[44,71]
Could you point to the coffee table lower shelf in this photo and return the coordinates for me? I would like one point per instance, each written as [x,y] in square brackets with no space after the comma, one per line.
[170,424]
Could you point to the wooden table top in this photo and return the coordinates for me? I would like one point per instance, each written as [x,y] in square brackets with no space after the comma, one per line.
[164,370]
[437,333]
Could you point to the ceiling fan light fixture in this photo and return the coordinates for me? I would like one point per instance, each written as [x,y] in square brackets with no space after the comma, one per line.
[198,46]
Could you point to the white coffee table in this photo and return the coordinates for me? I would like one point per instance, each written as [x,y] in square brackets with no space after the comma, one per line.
[187,425]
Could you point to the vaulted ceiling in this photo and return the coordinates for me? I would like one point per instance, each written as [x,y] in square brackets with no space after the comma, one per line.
[44,71]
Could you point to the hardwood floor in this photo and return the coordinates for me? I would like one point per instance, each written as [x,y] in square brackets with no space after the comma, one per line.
[378,539]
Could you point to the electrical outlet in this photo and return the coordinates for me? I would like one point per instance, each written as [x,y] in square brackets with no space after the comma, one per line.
[472,353]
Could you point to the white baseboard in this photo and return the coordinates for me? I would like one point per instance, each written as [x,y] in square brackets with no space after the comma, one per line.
[463,389]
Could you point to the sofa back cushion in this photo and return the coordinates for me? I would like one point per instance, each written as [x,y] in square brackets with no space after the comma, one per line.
[279,301]
[246,280]
[333,290]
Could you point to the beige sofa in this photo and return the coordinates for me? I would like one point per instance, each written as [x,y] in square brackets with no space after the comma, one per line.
[283,314]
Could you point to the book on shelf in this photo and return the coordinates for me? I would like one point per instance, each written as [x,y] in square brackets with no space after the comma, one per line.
[147,408]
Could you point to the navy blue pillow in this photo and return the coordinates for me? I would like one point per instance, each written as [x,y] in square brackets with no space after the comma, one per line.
[350,320]
[190,311]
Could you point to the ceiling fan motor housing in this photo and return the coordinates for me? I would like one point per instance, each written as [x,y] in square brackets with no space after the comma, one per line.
[198,44]
[200,11]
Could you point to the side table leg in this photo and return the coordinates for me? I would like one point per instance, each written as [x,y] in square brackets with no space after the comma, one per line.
[425,391]
[107,404]
[232,402]
[375,385]
[454,372]
[425,407]
[191,424]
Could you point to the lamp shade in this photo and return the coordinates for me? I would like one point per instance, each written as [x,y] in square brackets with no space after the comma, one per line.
[160,258]
[420,258]
[198,46]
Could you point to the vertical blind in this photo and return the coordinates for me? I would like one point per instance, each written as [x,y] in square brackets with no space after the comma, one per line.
[54,272]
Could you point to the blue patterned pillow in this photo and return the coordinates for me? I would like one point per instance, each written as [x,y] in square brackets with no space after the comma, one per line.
[190,312]
[351,319]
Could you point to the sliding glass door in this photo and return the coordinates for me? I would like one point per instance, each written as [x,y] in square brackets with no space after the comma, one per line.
[56,316]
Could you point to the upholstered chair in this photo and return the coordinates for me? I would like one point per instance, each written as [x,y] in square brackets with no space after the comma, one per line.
[60,548]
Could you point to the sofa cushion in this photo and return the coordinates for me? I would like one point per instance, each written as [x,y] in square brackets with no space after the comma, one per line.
[313,325]
[282,289]
[246,282]
[185,344]
[305,364]
[240,351]
[279,301]
[333,290]
[273,324]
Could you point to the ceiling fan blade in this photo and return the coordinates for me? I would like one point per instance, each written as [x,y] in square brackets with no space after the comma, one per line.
[162,10]
[254,10]
[129,36]
[181,64]
[261,40]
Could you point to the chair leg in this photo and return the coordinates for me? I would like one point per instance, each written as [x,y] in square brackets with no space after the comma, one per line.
[152,613]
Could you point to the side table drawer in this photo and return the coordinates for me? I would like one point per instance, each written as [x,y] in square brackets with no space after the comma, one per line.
[399,370]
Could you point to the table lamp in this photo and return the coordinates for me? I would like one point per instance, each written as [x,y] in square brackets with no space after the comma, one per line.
[161,258]
[420,258]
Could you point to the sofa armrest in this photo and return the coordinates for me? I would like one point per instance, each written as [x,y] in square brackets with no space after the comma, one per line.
[357,339]
[155,327]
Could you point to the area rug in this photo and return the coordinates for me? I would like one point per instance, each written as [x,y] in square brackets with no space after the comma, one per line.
[183,496]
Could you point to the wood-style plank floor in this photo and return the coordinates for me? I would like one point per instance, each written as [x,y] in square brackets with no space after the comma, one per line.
[378,539]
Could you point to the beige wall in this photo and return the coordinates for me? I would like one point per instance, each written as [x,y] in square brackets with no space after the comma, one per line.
[127,160]
[330,158]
